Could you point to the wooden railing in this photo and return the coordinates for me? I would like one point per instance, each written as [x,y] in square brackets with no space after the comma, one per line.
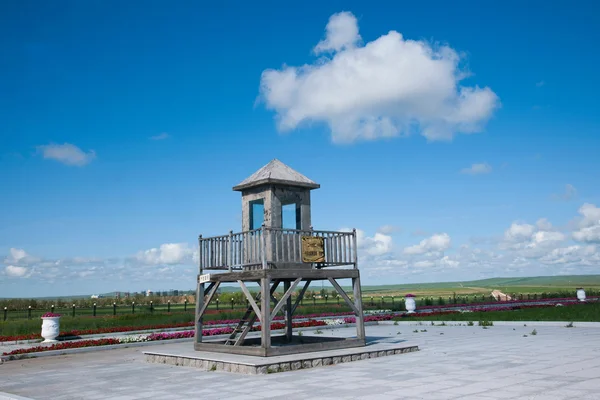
[268,247]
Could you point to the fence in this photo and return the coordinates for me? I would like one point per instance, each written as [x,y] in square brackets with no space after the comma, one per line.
[226,302]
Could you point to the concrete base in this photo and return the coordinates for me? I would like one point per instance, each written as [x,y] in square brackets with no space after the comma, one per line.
[184,355]
[281,346]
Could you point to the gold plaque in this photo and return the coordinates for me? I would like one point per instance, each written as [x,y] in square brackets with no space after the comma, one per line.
[313,249]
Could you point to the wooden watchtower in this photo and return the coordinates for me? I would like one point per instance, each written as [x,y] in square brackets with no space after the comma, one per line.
[277,246]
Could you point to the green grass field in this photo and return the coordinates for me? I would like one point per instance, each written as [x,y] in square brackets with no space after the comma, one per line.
[587,312]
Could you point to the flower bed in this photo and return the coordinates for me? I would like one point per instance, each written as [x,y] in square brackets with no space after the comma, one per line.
[151,337]
[380,317]
[119,329]
[64,345]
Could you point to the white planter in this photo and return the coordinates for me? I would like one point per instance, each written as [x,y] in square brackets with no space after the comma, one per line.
[581,294]
[410,304]
[50,329]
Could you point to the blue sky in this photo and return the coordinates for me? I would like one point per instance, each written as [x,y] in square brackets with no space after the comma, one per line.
[462,141]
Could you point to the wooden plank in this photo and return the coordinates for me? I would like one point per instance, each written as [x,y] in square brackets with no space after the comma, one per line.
[265,316]
[208,298]
[258,274]
[209,288]
[288,310]
[247,329]
[299,299]
[360,322]
[287,294]
[250,299]
[344,296]
[311,347]
[198,318]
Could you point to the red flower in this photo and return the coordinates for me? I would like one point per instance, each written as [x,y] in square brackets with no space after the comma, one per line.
[50,315]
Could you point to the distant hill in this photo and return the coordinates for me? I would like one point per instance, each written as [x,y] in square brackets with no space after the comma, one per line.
[550,282]
[564,281]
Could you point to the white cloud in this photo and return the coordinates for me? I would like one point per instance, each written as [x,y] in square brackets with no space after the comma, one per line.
[388,229]
[435,243]
[20,257]
[543,224]
[424,264]
[377,245]
[569,193]
[477,169]
[168,253]
[15,271]
[67,154]
[341,34]
[388,87]
[161,136]
[518,233]
[589,224]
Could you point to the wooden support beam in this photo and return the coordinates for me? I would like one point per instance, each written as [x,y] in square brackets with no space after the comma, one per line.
[288,310]
[198,318]
[299,299]
[250,299]
[209,297]
[210,286]
[286,295]
[240,340]
[265,316]
[360,322]
[344,296]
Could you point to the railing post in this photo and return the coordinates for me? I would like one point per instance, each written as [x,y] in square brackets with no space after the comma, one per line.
[114,309]
[230,251]
[151,306]
[94,311]
[185,305]
[5,313]
[29,312]
[133,307]
[200,255]
[355,249]
[263,246]
[52,308]
[168,305]
[73,311]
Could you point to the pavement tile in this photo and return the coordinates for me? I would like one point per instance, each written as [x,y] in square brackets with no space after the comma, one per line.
[464,363]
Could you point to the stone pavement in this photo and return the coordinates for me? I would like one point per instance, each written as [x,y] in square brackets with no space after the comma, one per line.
[454,362]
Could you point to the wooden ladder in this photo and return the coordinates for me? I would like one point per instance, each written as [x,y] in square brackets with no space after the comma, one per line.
[243,327]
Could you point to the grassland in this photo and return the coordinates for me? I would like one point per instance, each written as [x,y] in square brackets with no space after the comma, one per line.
[528,285]
[587,312]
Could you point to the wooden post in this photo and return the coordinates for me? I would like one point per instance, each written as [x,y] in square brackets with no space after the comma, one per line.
[354,245]
[230,251]
[263,247]
[265,313]
[360,326]
[199,297]
[288,312]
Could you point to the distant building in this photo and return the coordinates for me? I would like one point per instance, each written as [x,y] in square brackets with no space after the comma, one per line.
[149,293]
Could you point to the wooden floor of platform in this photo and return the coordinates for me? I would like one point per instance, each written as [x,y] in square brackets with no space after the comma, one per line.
[287,274]
[279,345]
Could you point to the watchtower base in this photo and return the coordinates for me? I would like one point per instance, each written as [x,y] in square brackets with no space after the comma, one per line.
[264,307]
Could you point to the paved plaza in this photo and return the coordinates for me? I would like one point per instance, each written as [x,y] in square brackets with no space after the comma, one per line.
[454,362]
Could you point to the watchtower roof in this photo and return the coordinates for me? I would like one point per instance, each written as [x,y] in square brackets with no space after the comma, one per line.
[276,172]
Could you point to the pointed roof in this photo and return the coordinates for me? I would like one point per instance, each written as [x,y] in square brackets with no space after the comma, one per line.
[276,172]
